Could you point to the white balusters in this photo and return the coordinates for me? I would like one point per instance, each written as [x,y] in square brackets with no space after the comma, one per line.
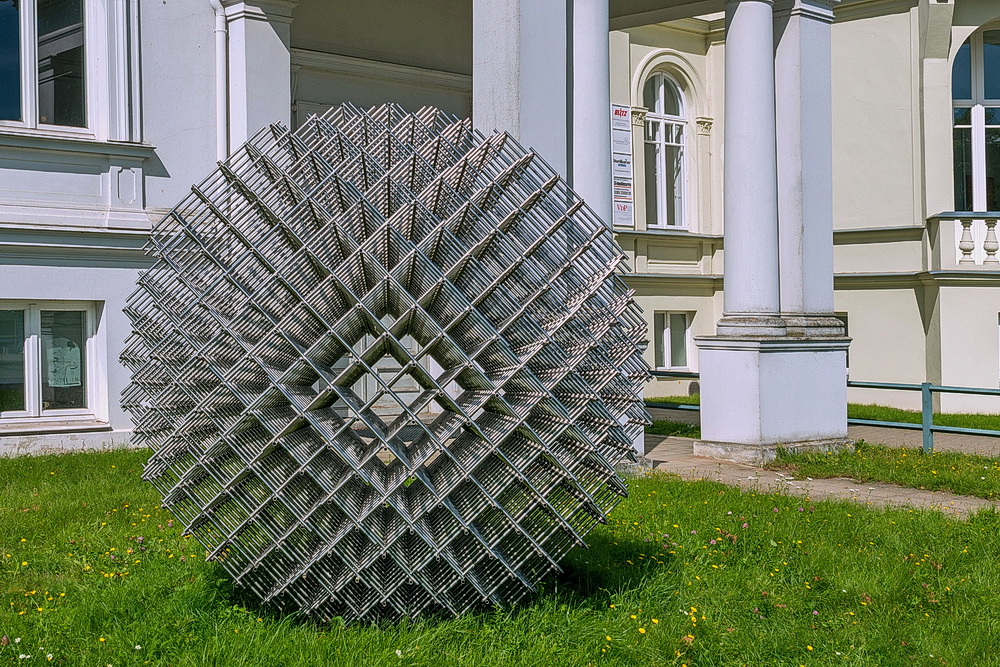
[966,245]
[976,243]
[990,245]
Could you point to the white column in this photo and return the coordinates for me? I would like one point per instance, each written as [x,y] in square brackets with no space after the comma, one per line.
[260,66]
[540,71]
[764,384]
[750,188]
[591,106]
[803,63]
[520,51]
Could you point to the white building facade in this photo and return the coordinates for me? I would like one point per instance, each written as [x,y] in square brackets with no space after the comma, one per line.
[914,124]
[111,109]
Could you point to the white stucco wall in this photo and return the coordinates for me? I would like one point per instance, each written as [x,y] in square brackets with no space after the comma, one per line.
[178,97]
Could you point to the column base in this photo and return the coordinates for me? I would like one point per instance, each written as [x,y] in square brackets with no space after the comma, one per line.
[768,391]
[751,325]
[757,455]
[813,325]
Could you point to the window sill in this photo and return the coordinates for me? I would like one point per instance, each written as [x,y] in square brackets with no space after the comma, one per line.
[11,137]
[65,425]
[676,232]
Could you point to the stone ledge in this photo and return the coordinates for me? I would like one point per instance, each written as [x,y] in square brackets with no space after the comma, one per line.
[761,454]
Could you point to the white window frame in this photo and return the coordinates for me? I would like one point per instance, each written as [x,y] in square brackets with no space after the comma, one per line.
[978,104]
[95,369]
[93,42]
[678,123]
[661,340]
[111,65]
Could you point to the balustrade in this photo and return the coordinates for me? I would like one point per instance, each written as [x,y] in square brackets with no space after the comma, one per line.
[976,242]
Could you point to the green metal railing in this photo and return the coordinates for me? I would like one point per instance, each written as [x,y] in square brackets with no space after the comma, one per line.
[926,389]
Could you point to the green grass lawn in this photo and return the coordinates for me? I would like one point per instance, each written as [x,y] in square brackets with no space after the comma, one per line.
[954,472]
[669,427]
[682,400]
[696,574]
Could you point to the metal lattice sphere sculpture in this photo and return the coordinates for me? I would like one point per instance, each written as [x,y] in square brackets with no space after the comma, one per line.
[386,365]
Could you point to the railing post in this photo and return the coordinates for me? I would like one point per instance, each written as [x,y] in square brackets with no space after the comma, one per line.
[990,245]
[927,416]
[966,245]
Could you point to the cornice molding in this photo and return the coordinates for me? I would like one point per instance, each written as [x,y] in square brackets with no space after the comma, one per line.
[272,11]
[376,69]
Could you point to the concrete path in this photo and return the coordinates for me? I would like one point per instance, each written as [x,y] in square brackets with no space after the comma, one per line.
[674,455]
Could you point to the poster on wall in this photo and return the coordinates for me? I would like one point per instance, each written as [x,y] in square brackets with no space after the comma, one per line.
[623,197]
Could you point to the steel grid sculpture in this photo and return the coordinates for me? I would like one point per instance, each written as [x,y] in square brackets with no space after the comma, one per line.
[385,365]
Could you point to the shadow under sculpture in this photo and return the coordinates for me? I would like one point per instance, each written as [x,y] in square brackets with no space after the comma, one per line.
[386,366]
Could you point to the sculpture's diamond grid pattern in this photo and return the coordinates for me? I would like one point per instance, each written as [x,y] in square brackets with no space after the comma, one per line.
[310,258]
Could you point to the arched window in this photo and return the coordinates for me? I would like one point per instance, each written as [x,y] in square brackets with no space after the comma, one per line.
[975,91]
[664,152]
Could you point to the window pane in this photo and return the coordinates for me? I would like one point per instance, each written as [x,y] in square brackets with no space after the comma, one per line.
[652,165]
[993,169]
[650,93]
[963,116]
[961,74]
[659,327]
[992,116]
[678,340]
[671,99]
[61,95]
[654,130]
[962,139]
[11,360]
[991,63]
[672,185]
[10,61]
[64,378]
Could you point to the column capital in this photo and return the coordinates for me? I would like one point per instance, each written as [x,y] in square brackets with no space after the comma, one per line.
[819,10]
[275,11]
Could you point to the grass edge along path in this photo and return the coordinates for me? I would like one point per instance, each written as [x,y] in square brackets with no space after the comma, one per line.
[685,573]
[952,472]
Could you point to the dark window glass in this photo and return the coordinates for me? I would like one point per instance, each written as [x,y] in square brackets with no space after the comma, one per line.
[963,168]
[993,169]
[659,344]
[10,61]
[11,360]
[64,376]
[672,185]
[961,74]
[678,340]
[651,94]
[61,81]
[991,64]
[652,160]
[671,99]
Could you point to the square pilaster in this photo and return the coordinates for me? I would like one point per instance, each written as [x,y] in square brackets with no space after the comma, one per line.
[759,394]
